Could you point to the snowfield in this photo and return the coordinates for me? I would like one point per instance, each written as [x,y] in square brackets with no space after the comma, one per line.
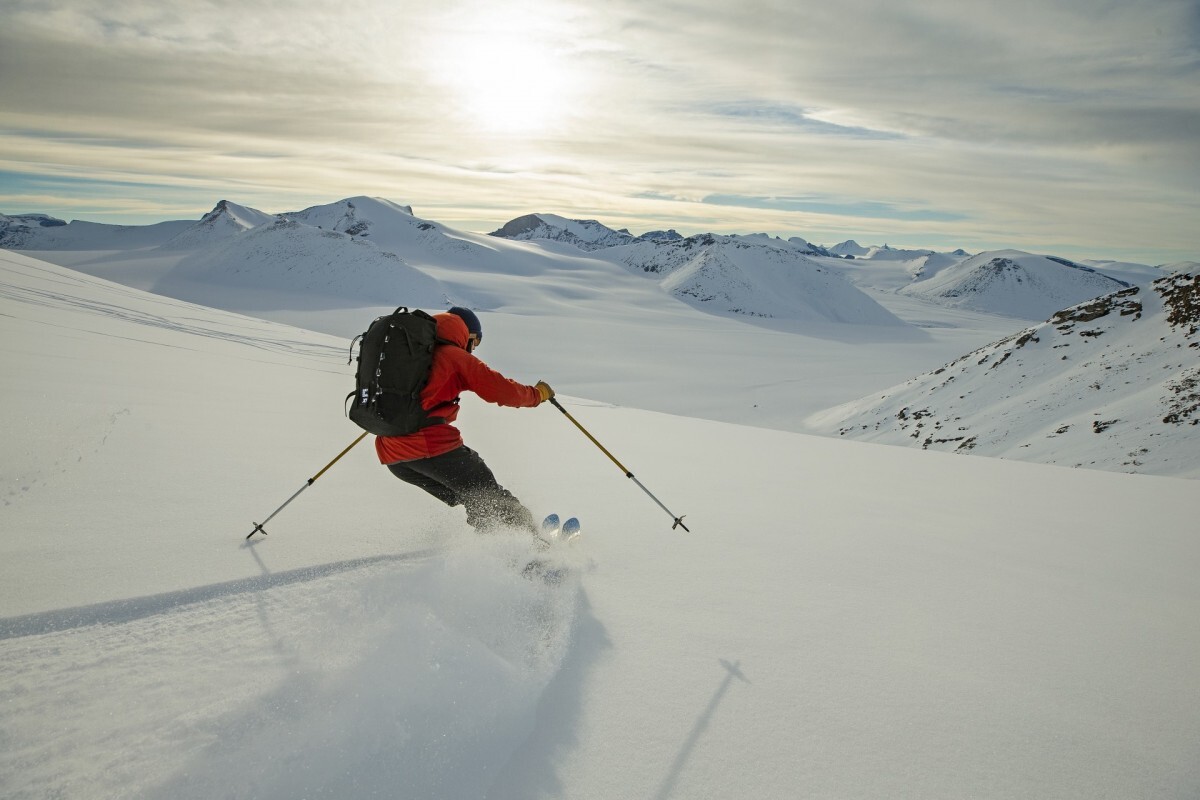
[1113,383]
[845,620]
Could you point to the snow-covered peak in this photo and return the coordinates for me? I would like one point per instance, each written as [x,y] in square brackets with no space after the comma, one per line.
[671,235]
[288,257]
[225,220]
[44,232]
[356,216]
[19,230]
[586,234]
[889,253]
[752,276]
[242,216]
[848,248]
[31,220]
[1014,283]
[808,248]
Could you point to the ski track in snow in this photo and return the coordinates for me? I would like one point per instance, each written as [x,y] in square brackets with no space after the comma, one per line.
[128,610]
[46,464]
[426,665]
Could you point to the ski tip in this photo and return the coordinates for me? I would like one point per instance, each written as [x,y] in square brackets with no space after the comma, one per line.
[570,529]
[551,524]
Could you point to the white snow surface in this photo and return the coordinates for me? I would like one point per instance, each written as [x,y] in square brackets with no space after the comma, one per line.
[1113,383]
[1014,283]
[844,620]
[301,261]
[753,276]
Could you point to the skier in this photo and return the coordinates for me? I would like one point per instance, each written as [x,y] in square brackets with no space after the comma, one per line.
[435,458]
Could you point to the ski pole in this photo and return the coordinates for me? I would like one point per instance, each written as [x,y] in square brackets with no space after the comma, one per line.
[258,527]
[620,466]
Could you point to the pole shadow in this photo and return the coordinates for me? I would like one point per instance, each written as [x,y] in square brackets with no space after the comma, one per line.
[732,671]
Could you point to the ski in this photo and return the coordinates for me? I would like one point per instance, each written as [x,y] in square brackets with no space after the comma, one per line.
[554,528]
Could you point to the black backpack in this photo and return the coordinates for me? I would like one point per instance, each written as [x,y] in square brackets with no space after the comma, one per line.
[394,358]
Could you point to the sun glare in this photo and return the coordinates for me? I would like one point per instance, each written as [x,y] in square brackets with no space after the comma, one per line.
[505,79]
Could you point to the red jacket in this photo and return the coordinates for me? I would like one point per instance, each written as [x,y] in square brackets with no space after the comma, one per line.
[454,371]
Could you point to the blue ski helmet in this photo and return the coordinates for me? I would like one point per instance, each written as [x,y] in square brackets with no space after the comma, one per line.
[468,316]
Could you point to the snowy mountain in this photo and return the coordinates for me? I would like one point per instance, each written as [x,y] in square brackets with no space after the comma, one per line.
[389,226]
[1014,283]
[586,234]
[808,248]
[845,620]
[671,235]
[848,248]
[287,257]
[225,221]
[852,249]
[1133,274]
[354,216]
[893,270]
[332,267]
[43,232]
[1112,383]
[752,276]
[429,245]
[15,227]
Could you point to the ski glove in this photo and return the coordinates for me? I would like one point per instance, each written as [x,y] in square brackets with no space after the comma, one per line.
[544,391]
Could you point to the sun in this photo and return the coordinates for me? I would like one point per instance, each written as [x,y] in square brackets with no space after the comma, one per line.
[505,80]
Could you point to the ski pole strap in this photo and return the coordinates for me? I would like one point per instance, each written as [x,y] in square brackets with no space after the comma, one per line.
[628,474]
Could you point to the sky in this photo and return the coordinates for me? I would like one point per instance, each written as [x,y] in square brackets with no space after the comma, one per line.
[1061,126]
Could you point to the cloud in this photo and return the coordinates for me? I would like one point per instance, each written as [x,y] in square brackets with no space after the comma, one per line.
[830,206]
[1024,122]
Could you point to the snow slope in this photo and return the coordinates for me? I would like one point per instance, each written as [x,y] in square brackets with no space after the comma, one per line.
[752,276]
[1015,283]
[846,620]
[301,262]
[1112,383]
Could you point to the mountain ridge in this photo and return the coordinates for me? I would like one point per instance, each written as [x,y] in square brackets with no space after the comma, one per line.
[312,265]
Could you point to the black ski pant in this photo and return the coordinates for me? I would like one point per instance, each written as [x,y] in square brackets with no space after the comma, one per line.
[460,477]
